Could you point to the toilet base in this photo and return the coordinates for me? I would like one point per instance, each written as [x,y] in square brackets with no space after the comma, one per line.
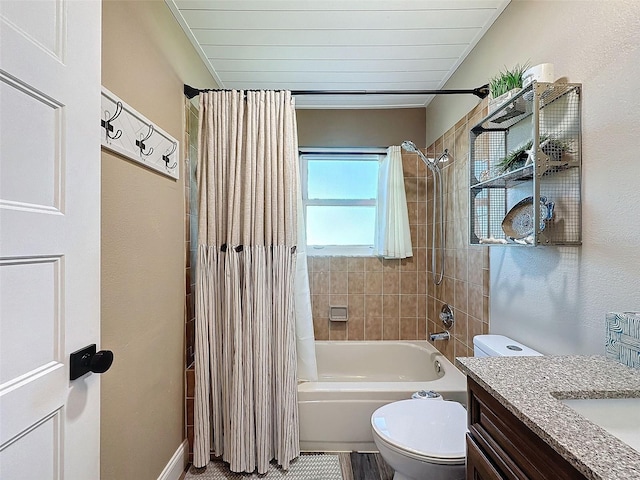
[399,476]
[408,468]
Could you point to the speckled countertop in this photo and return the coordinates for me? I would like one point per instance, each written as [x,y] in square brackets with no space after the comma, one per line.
[532,387]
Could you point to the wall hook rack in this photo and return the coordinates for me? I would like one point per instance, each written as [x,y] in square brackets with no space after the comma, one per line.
[167,155]
[106,123]
[140,143]
[137,138]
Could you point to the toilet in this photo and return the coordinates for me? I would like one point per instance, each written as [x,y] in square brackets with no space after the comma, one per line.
[425,438]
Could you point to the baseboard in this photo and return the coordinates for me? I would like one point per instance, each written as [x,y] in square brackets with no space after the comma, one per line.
[175,467]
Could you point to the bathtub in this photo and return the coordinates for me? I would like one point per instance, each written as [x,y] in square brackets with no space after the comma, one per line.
[355,378]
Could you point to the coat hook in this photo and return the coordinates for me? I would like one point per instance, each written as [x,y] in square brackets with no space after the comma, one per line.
[168,153]
[106,124]
[140,143]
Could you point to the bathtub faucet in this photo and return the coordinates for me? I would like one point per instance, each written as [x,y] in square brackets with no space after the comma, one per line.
[440,336]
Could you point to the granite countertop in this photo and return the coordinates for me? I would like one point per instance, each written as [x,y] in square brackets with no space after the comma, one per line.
[532,387]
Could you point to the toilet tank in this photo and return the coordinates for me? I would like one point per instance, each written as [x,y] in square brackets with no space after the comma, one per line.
[500,346]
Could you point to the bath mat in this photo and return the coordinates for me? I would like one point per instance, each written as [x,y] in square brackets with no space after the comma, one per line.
[321,466]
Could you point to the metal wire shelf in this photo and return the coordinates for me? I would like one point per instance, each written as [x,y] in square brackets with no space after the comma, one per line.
[528,148]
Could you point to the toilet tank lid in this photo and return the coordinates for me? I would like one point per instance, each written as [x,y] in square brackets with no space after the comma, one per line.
[501,346]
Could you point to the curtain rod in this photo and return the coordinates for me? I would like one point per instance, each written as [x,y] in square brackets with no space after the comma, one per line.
[480,92]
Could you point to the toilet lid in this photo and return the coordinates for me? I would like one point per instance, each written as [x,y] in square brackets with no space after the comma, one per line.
[424,428]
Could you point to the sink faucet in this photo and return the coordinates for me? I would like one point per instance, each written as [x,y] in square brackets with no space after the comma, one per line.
[440,336]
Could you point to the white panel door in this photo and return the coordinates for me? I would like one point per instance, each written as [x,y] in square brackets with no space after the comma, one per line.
[49,237]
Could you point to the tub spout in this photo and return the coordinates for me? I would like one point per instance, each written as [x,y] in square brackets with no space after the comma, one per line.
[440,336]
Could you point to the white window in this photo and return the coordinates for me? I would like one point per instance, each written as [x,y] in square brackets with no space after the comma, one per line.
[339,192]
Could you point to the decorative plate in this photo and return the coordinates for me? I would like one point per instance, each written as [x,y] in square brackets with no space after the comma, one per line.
[518,222]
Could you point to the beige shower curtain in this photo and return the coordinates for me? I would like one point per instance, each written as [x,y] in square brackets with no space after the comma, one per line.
[246,386]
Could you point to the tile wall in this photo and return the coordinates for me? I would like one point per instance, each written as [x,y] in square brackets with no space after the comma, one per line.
[396,299]
[190,152]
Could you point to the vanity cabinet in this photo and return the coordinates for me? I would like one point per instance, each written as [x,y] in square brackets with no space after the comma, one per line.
[525,162]
[500,446]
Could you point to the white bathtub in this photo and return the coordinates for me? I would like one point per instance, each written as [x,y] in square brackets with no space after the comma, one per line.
[356,378]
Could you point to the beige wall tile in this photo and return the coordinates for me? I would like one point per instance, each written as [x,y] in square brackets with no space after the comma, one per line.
[355,264]
[373,283]
[461,264]
[475,301]
[321,328]
[340,264]
[460,327]
[391,282]
[391,328]
[373,328]
[450,262]
[320,306]
[341,300]
[390,306]
[320,282]
[338,282]
[356,282]
[408,264]
[410,164]
[373,306]
[408,328]
[408,283]
[337,330]
[373,264]
[355,328]
[411,189]
[322,264]
[356,305]
[408,306]
[390,265]
[423,279]
[460,296]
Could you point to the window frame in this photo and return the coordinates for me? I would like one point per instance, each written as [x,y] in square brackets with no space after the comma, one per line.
[371,154]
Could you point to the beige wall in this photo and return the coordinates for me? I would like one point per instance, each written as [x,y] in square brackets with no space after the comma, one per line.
[145,61]
[555,299]
[360,128]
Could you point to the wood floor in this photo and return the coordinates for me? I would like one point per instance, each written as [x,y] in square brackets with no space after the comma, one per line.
[364,466]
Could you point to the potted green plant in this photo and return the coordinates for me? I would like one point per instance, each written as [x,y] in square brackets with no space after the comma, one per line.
[515,159]
[507,80]
[504,86]
[553,147]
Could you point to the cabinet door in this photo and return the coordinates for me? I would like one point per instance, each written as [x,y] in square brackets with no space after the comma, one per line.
[479,467]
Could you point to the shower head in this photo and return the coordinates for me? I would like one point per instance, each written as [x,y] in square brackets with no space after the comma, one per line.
[409,146]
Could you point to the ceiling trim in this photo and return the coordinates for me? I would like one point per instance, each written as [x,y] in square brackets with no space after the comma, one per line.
[185,28]
[498,11]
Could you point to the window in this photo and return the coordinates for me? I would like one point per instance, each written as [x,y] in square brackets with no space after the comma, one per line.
[339,192]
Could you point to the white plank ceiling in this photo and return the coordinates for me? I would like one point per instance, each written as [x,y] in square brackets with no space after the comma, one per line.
[354,45]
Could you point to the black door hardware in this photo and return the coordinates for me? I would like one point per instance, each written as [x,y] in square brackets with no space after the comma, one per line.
[88,360]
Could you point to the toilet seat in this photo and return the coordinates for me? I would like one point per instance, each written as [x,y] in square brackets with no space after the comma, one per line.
[431,431]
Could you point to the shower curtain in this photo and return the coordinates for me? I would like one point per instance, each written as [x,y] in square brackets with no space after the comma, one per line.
[393,234]
[246,385]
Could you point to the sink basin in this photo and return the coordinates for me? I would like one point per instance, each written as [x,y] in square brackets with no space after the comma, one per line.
[618,416]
